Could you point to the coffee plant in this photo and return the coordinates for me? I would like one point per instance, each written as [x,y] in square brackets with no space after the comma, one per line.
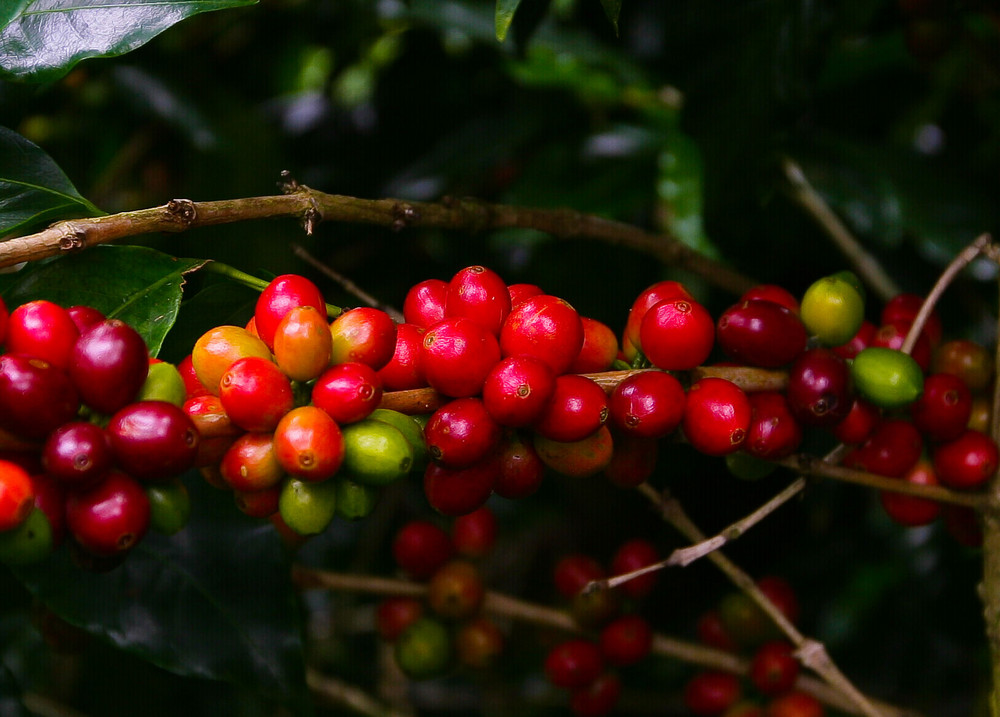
[594,358]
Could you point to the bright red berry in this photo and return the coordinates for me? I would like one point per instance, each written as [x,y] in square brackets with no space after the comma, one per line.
[717,416]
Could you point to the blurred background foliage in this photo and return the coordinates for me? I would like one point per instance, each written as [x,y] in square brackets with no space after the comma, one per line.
[678,123]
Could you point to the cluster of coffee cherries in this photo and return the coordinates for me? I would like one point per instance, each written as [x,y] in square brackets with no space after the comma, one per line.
[738,625]
[288,410]
[92,436]
[446,627]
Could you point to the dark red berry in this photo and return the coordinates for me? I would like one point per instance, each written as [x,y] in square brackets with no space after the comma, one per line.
[35,397]
[892,449]
[774,668]
[910,510]
[577,408]
[405,369]
[111,517]
[474,534]
[633,555]
[574,664]
[394,614]
[78,454]
[420,548]
[348,392]
[648,404]
[598,698]
[942,412]
[717,416]
[819,388]
[457,491]
[761,333]
[626,640]
[153,440]
[774,432]
[574,572]
[711,692]
[109,365]
[461,433]
[967,462]
[521,469]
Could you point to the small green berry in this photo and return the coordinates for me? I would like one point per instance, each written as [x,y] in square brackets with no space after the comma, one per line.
[886,377]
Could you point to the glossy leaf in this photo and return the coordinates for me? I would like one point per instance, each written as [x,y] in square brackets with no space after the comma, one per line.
[214,600]
[43,39]
[139,285]
[33,189]
[504,16]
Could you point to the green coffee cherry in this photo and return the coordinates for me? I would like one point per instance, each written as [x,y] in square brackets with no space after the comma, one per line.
[832,310]
[411,429]
[308,507]
[169,506]
[28,543]
[375,453]
[747,467]
[886,377]
[163,383]
[423,650]
[354,500]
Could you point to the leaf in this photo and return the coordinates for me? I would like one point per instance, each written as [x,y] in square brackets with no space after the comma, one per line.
[138,285]
[612,8]
[504,16]
[42,39]
[214,600]
[33,189]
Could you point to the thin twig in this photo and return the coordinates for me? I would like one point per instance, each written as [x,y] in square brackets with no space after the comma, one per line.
[339,693]
[346,284]
[989,589]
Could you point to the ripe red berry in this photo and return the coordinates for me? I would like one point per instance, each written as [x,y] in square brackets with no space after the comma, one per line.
[633,461]
[892,335]
[520,292]
[761,333]
[577,408]
[712,631]
[599,350]
[281,295]
[109,364]
[405,369]
[457,491]
[111,517]
[420,548]
[861,340]
[967,462]
[943,410]
[598,698]
[394,614]
[891,450]
[251,464]
[909,510]
[521,470]
[795,704]
[774,433]
[517,389]
[255,394]
[309,444]
[819,388]
[677,335]
[652,295]
[633,555]
[574,664]
[717,416]
[711,692]
[573,572]
[425,303]
[42,329]
[17,495]
[153,440]
[626,640]
[858,424]
[905,307]
[475,533]
[78,454]
[775,293]
[364,334]
[35,397]
[479,294]
[84,316]
[461,433]
[774,668]
[648,404]
[457,355]
[348,392]
[545,327]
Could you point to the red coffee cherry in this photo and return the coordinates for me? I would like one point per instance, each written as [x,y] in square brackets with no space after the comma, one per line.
[78,454]
[545,327]
[50,498]
[521,471]
[192,386]
[457,491]
[111,517]
[648,404]
[711,692]
[652,295]
[255,394]
[365,335]
[4,318]
[712,631]
[861,340]
[394,614]
[303,343]
[892,335]
[456,590]
[420,548]
[458,354]
[479,294]
[577,459]
[475,533]
[773,292]
[520,292]
[761,333]
[892,449]
[909,510]
[598,698]
[405,369]
[35,397]
[599,350]
[633,555]
[44,330]
[281,295]
[574,572]
[905,307]
[943,410]
[577,408]
[309,444]
[153,440]
[795,704]
[780,592]
[859,423]
[967,462]
[425,303]
[966,359]
[574,664]
[716,416]
[677,335]
[348,392]
[461,433]
[109,364]
[251,463]
[259,503]
[774,668]
[633,461]
[774,433]
[819,388]
[626,640]
[17,495]
[84,316]
[517,389]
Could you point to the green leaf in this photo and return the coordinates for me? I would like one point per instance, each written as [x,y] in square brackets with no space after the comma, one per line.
[138,285]
[504,16]
[612,8]
[213,601]
[42,39]
[33,189]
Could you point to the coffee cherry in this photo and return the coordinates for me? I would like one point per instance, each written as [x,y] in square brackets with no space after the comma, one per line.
[716,416]
[576,409]
[35,397]
[652,295]
[217,349]
[893,335]
[78,454]
[281,295]
[599,350]
[773,668]
[4,318]
[375,453]
[517,389]
[574,572]
[774,293]
[169,506]
[259,503]
[626,640]
[425,303]
[905,307]
[354,500]
[967,462]
[50,498]
[474,534]
[420,548]
[794,704]
[163,383]
[405,369]
[909,510]
[412,431]
[892,449]
[456,590]
[745,621]
[886,377]
[192,386]
[711,692]
[479,294]
[29,542]
[394,614]
[574,664]
[832,310]
[633,555]
[365,335]
[251,463]
[461,433]
[761,333]
[109,364]
[520,292]
[153,440]
[255,394]
[858,424]
[457,355]
[521,471]
[633,461]
[577,459]
[478,643]
[648,404]
[861,340]
[782,595]
[457,491]
[819,388]
[677,335]
[774,433]
[943,410]
[43,330]
[309,444]
[545,327]
[712,631]
[110,518]
[84,316]
[966,359]
[348,392]
[424,650]
[598,698]
[307,507]
[212,422]
[17,495]
[303,343]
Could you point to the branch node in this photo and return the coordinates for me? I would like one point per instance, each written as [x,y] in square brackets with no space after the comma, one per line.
[404,215]
[183,211]
[288,183]
[812,654]
[73,240]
